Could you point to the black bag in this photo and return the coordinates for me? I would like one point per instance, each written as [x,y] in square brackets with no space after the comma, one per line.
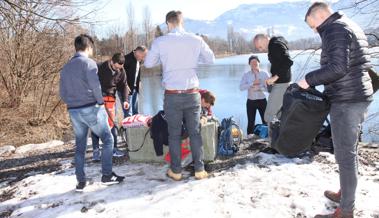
[374,79]
[323,141]
[301,118]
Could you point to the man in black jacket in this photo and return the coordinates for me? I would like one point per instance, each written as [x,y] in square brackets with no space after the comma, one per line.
[132,66]
[112,78]
[345,61]
[281,63]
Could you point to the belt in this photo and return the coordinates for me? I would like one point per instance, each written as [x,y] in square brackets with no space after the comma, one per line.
[187,91]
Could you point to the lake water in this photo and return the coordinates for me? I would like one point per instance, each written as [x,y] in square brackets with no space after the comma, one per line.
[223,80]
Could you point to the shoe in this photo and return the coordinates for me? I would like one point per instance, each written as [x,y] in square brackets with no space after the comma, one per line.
[118,153]
[174,176]
[111,179]
[80,186]
[96,155]
[337,214]
[201,175]
[333,196]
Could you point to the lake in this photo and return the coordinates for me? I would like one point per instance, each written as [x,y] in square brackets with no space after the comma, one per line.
[223,78]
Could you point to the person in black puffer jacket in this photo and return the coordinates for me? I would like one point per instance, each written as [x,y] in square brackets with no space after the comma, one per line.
[344,72]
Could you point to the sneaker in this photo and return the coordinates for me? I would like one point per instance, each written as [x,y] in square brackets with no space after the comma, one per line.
[174,176]
[118,153]
[96,155]
[337,214]
[333,196]
[80,186]
[201,175]
[111,179]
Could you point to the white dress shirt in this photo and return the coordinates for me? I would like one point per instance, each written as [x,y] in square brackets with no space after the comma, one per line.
[179,53]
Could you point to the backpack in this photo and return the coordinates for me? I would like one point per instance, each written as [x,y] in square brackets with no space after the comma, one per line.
[230,137]
[374,79]
[261,130]
[301,118]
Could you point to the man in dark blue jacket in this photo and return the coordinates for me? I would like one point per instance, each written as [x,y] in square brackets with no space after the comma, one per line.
[80,90]
[345,61]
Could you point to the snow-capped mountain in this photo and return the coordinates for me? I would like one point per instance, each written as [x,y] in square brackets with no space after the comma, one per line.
[286,18]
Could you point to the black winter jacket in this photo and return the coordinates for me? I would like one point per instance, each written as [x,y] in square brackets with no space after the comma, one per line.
[130,66]
[345,61]
[280,59]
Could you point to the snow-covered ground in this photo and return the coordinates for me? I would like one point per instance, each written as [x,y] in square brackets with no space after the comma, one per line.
[268,186]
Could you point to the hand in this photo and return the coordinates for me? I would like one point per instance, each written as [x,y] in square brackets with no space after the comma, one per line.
[303,84]
[126,105]
[270,82]
[257,82]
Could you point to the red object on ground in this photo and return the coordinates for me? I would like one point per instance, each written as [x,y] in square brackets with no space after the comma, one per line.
[185,151]
[110,103]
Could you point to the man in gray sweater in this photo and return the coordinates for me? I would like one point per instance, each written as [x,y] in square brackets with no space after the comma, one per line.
[80,90]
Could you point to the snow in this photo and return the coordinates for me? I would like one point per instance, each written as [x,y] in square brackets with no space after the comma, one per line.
[35,147]
[6,150]
[268,186]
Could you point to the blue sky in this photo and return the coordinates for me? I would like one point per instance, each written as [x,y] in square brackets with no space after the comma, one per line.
[113,12]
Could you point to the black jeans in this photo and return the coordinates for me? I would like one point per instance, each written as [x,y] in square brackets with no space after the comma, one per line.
[251,108]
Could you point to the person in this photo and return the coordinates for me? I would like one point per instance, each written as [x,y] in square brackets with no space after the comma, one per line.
[132,66]
[281,63]
[345,61]
[179,53]
[254,82]
[80,90]
[208,100]
[112,78]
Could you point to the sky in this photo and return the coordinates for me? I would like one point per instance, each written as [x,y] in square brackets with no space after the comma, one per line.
[113,12]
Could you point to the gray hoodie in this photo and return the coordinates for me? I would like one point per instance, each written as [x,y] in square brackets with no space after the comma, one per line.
[79,82]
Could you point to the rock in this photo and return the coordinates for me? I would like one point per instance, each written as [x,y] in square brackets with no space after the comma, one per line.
[7,150]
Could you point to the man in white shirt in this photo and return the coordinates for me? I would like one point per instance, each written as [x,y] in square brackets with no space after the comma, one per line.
[179,53]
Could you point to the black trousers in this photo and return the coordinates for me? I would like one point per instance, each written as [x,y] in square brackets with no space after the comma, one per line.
[251,108]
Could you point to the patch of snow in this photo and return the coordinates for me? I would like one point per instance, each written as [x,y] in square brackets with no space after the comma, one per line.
[6,150]
[35,147]
[268,186]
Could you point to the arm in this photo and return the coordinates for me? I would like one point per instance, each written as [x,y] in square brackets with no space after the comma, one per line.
[337,54]
[93,81]
[153,57]
[122,86]
[206,54]
[244,85]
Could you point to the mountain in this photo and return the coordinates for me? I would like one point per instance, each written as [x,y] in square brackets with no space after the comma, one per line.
[286,19]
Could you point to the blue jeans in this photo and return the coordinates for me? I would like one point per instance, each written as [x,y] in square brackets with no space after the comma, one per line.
[133,107]
[95,139]
[187,107]
[96,119]
[346,120]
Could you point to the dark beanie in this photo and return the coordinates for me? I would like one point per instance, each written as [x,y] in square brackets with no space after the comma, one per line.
[252,57]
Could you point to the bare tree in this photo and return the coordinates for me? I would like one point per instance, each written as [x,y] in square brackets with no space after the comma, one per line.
[131,34]
[35,40]
[147,26]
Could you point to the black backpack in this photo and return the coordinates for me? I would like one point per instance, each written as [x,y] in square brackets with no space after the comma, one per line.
[299,120]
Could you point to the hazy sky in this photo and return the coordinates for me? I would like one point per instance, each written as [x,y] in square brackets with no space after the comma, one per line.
[115,10]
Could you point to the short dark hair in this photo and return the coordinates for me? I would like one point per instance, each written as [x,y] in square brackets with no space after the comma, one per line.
[259,36]
[83,41]
[173,17]
[209,97]
[140,48]
[314,7]
[252,57]
[118,58]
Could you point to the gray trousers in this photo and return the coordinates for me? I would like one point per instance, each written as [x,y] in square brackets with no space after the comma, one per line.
[346,120]
[275,101]
[187,107]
